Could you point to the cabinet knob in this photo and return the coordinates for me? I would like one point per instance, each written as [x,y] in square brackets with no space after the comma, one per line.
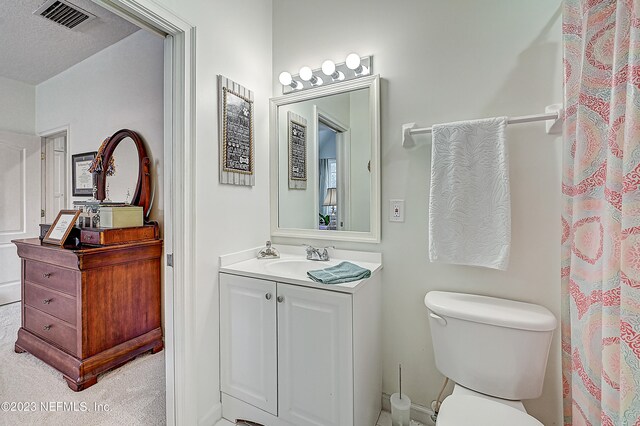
[47,301]
[267,296]
[47,275]
[47,327]
[280,299]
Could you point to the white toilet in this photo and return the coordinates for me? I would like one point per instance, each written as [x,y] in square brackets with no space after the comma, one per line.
[495,350]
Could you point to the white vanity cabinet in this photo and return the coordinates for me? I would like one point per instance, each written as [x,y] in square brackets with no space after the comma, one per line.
[300,355]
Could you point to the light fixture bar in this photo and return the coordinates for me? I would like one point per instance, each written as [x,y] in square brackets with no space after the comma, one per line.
[318,77]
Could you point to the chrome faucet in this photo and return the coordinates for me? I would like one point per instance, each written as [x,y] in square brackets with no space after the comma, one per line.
[316,253]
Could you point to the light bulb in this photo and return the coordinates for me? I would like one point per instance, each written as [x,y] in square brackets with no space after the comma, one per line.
[306,73]
[328,67]
[285,78]
[353,61]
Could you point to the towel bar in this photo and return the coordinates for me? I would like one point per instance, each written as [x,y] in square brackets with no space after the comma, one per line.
[552,112]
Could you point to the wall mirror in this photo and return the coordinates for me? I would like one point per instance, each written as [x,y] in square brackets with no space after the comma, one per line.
[325,150]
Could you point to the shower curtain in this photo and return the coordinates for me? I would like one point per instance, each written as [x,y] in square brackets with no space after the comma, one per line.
[601,213]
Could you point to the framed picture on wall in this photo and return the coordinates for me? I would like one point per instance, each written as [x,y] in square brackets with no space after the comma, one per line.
[236,133]
[297,137]
[82,180]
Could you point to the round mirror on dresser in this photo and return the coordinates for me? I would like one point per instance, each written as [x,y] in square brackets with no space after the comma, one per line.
[121,165]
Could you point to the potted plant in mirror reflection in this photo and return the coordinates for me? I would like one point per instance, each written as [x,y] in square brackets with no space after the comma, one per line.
[325,220]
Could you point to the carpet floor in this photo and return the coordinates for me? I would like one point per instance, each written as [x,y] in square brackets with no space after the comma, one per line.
[131,395]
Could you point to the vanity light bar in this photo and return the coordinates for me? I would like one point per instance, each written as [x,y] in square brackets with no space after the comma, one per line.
[329,73]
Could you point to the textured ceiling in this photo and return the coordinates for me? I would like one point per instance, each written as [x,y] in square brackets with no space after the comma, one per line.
[34,49]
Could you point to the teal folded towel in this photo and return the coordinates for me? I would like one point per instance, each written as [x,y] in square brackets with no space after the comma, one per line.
[341,273]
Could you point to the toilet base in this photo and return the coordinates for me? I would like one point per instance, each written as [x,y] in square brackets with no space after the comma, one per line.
[465,407]
[461,390]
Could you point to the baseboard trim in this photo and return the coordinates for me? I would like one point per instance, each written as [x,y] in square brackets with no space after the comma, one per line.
[10,293]
[212,416]
[419,413]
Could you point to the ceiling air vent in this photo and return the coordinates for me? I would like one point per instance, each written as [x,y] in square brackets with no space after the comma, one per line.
[63,13]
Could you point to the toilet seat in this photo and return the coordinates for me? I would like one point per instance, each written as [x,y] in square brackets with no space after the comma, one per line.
[466,410]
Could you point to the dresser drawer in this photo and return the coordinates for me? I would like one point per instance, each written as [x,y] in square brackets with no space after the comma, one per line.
[52,302]
[51,329]
[53,277]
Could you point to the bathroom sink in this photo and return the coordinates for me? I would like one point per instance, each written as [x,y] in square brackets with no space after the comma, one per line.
[296,267]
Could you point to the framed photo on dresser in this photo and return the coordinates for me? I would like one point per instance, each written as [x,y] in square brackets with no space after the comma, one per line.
[61,227]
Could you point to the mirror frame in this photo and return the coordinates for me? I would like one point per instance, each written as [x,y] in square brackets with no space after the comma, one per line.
[142,195]
[373,236]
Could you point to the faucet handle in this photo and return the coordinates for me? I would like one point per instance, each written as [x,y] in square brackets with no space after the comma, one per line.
[268,252]
[325,252]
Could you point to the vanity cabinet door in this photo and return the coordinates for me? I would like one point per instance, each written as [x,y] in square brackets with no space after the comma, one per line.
[248,340]
[315,356]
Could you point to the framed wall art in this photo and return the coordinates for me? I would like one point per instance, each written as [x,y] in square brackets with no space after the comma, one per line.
[297,141]
[235,121]
[82,179]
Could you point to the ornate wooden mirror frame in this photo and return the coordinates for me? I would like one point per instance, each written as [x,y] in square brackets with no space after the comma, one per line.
[142,195]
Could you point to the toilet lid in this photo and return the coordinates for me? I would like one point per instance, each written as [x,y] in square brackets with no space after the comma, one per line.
[467,410]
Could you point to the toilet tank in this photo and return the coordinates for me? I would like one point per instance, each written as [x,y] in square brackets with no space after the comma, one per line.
[493,346]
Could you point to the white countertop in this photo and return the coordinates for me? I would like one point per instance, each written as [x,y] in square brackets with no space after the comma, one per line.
[246,264]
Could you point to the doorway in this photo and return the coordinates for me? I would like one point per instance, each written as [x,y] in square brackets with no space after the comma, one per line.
[53,175]
[334,165]
[179,199]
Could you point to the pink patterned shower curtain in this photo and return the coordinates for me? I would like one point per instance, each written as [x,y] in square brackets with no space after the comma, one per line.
[601,214]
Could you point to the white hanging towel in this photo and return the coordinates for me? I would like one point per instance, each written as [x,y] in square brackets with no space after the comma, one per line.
[470,204]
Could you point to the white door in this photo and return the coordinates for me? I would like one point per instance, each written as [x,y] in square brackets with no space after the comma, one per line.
[248,356]
[19,205]
[315,381]
[55,176]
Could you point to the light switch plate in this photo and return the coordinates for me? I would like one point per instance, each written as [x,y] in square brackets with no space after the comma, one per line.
[396,210]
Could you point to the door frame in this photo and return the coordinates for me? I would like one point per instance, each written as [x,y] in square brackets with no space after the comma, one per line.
[343,152]
[179,162]
[67,160]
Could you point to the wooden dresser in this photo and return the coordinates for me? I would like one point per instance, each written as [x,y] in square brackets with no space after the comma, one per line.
[90,310]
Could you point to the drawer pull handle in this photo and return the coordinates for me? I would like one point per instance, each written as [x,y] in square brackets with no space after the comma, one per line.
[47,327]
[47,301]
[47,275]
[267,296]
[280,299]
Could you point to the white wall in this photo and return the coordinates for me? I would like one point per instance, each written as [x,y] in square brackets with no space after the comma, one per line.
[360,179]
[17,106]
[445,61]
[120,87]
[233,39]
